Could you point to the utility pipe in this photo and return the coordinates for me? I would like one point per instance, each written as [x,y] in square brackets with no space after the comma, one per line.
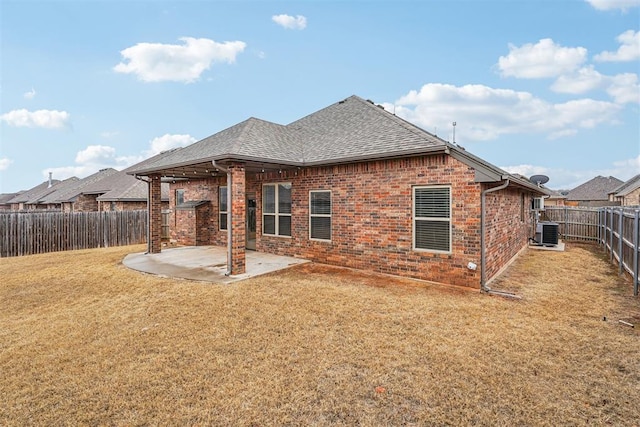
[483,256]
[229,245]
[148,212]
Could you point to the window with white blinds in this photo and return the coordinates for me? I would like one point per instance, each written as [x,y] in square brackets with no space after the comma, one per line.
[432,218]
[320,215]
[222,207]
[276,209]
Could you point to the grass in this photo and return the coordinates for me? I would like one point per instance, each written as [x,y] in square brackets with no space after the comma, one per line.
[85,341]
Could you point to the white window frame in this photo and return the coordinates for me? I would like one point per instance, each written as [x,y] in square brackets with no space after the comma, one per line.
[277,213]
[223,224]
[434,219]
[330,215]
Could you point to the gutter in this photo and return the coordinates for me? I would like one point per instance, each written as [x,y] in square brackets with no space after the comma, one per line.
[148,212]
[229,222]
[483,255]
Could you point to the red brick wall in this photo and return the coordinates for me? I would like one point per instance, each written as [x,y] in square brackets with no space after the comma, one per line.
[508,227]
[155,213]
[372,218]
[183,225]
[86,203]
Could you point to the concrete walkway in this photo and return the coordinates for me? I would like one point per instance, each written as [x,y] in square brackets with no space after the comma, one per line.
[205,263]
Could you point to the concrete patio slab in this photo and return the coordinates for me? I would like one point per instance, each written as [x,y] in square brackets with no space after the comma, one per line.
[205,263]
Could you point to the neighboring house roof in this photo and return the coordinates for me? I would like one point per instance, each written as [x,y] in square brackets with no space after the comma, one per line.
[557,194]
[348,131]
[627,187]
[130,189]
[5,197]
[597,188]
[36,193]
[93,184]
[58,189]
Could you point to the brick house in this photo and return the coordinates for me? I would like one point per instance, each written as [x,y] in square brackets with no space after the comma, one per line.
[350,185]
[627,193]
[594,193]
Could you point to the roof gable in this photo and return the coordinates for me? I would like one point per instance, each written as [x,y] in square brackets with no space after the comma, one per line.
[597,188]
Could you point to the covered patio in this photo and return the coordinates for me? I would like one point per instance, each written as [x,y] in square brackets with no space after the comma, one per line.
[205,263]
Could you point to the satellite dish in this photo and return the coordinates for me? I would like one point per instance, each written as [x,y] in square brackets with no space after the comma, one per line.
[539,179]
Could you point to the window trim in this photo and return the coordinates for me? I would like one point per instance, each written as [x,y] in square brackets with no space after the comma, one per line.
[277,213]
[330,215]
[182,193]
[435,219]
[220,211]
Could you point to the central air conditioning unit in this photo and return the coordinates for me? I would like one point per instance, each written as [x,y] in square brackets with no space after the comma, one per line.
[537,204]
[547,233]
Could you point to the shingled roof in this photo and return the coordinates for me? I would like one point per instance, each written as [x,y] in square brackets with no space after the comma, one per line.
[34,194]
[627,187]
[58,189]
[93,184]
[597,188]
[350,130]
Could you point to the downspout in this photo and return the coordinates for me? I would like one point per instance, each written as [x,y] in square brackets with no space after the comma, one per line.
[148,212]
[483,255]
[229,246]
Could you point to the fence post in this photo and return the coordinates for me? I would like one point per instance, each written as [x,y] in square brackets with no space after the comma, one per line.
[611,230]
[620,240]
[636,231]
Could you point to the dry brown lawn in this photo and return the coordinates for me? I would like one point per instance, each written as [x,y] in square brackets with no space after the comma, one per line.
[85,341]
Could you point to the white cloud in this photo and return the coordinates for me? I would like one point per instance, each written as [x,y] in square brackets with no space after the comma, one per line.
[289,22]
[30,95]
[632,165]
[485,113]
[4,163]
[48,119]
[614,4]
[565,179]
[581,81]
[543,59]
[629,49]
[167,142]
[96,154]
[109,134]
[624,88]
[157,62]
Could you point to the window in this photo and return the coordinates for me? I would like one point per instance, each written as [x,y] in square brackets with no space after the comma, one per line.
[222,207]
[521,207]
[320,215]
[432,218]
[276,209]
[179,197]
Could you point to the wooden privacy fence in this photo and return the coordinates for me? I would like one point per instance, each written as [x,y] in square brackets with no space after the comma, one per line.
[620,236]
[35,233]
[615,229]
[574,223]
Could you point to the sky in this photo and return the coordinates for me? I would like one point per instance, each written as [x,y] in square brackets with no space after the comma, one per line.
[535,87]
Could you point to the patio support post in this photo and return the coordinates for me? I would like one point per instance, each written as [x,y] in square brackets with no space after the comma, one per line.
[155,215]
[238,215]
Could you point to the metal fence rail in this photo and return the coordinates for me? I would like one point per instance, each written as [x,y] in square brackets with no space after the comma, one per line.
[42,232]
[616,229]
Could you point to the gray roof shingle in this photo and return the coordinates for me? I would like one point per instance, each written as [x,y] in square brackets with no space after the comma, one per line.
[597,188]
[346,131]
[96,183]
[36,193]
[627,187]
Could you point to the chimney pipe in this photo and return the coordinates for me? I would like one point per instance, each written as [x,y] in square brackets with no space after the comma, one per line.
[50,176]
